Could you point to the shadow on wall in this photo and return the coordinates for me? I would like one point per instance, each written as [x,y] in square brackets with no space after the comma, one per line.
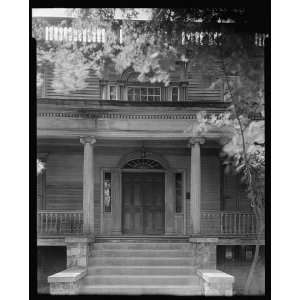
[236,261]
[50,260]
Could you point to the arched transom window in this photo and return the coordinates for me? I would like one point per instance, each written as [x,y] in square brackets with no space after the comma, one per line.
[143,163]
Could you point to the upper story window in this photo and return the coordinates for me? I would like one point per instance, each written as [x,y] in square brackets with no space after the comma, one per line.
[144,94]
[175,93]
[112,92]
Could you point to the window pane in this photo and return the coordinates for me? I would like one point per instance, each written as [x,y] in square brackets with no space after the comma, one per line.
[174,94]
[179,191]
[107,192]
[156,98]
[144,91]
[144,98]
[130,94]
[137,92]
[113,93]
[150,98]
[150,91]
[157,91]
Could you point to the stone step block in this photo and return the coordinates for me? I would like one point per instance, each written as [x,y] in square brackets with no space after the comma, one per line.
[141,270]
[142,290]
[140,261]
[142,253]
[142,246]
[141,280]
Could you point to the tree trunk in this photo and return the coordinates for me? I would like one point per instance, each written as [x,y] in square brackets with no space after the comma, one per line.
[251,272]
[255,258]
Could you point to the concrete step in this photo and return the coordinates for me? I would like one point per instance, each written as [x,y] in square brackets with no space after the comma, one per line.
[141,290]
[142,253]
[141,246]
[140,261]
[141,270]
[141,280]
[142,238]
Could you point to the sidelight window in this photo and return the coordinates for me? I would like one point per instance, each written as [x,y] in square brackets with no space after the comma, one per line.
[107,191]
[179,192]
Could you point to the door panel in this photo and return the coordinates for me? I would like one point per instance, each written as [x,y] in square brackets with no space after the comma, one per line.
[143,203]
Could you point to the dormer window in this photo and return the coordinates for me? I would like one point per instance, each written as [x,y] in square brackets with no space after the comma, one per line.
[150,94]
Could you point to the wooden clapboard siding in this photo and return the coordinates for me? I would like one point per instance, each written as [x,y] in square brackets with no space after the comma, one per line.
[64,181]
[199,87]
[210,168]
[235,197]
[64,196]
[91,91]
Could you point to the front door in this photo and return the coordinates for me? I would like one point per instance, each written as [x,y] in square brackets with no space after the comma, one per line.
[143,203]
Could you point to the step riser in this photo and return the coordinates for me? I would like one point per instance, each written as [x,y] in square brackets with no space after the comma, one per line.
[140,291]
[117,280]
[114,261]
[142,246]
[141,271]
[141,253]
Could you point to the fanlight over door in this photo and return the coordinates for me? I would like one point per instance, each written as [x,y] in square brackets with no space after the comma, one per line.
[143,163]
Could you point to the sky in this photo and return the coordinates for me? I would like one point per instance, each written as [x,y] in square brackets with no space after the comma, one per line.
[143,13]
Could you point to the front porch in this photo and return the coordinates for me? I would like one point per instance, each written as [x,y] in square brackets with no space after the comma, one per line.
[145,187]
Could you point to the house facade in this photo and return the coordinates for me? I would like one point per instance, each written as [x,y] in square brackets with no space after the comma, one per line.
[123,165]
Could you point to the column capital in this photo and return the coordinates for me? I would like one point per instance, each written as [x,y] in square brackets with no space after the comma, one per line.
[197,140]
[87,140]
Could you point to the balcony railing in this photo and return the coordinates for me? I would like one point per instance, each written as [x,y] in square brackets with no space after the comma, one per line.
[98,35]
[59,222]
[228,223]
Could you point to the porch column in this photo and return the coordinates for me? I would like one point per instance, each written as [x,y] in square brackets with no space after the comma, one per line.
[195,205]
[88,184]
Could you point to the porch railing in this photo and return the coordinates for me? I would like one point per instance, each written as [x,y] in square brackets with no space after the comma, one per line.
[228,223]
[59,222]
[99,35]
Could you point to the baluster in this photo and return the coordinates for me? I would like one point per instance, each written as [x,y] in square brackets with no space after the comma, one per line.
[60,221]
[249,224]
[60,33]
[84,35]
[234,223]
[75,35]
[55,224]
[103,35]
[46,225]
[98,35]
[55,36]
[65,33]
[121,36]
[46,33]
[64,223]
[94,35]
[70,34]
[42,221]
